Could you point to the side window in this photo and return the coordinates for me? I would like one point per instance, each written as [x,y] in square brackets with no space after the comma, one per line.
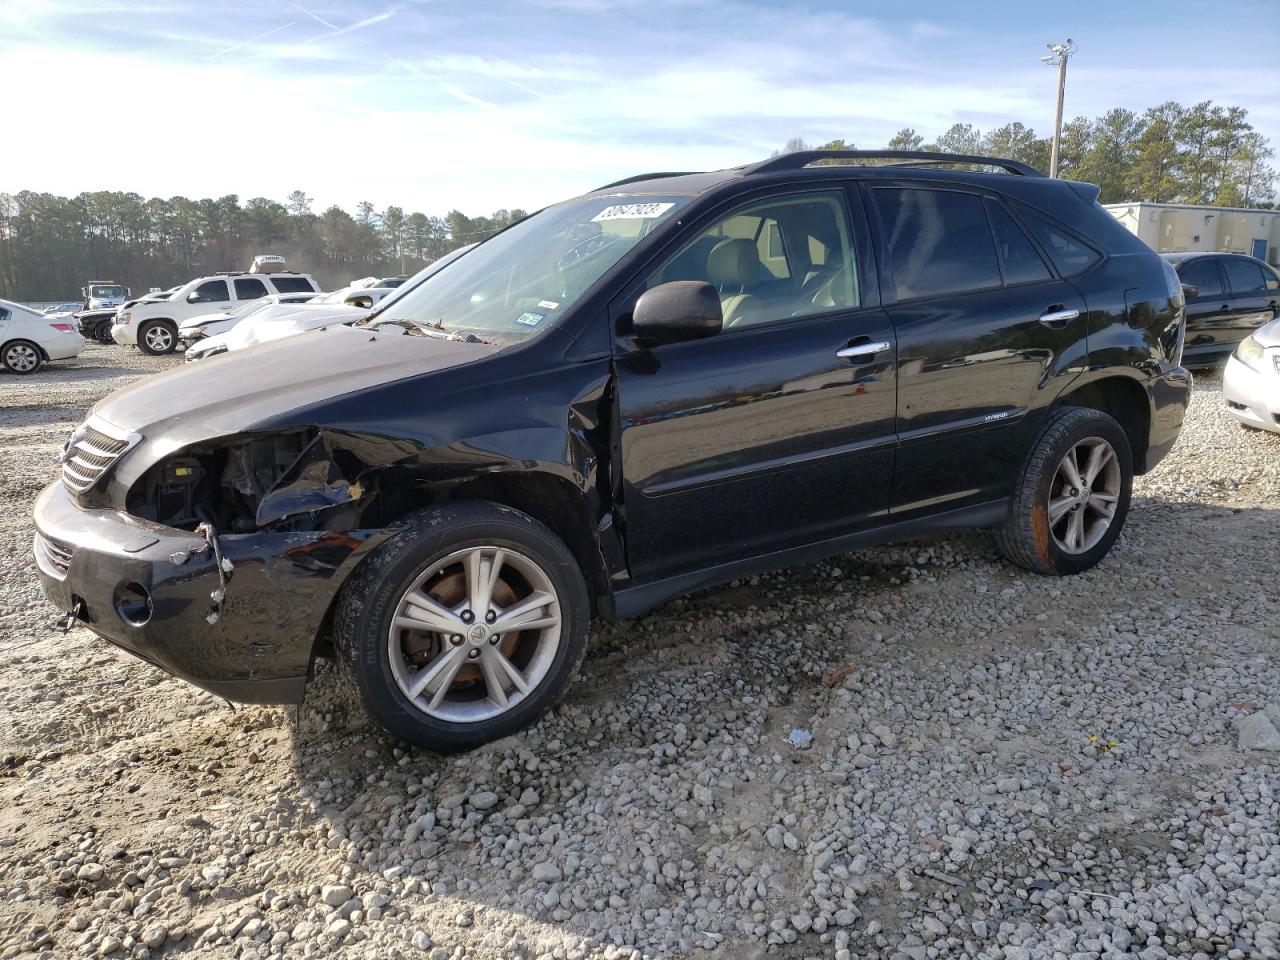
[1272,278]
[774,259]
[1203,275]
[212,291]
[248,288]
[293,284]
[1068,254]
[939,241]
[1018,258]
[1244,277]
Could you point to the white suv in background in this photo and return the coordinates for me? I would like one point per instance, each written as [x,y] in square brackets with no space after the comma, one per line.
[153,324]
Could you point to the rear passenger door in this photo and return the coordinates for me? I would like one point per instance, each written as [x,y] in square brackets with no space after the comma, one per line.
[987,335]
[1253,301]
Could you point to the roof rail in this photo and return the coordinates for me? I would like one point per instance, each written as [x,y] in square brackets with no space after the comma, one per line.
[912,158]
[642,176]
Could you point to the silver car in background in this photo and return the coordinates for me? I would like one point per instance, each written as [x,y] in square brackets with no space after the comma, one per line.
[1251,382]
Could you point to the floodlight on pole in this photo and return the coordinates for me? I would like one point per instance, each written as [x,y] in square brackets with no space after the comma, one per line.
[1059,54]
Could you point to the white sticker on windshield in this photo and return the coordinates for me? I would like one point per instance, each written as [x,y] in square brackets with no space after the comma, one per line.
[632,211]
[548,304]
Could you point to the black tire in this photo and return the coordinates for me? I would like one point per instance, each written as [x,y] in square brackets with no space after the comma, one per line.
[102,333]
[161,345]
[21,357]
[1025,537]
[370,598]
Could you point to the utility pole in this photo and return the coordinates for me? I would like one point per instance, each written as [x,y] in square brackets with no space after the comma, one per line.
[1059,54]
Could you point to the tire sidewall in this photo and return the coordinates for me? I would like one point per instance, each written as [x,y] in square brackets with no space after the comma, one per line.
[146,327]
[1102,426]
[402,560]
[4,357]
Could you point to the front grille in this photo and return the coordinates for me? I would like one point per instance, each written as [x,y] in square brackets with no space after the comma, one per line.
[89,453]
[54,558]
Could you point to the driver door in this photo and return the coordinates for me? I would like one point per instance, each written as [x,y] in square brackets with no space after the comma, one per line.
[779,430]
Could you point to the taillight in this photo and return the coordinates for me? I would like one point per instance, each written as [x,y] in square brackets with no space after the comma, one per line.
[63,327]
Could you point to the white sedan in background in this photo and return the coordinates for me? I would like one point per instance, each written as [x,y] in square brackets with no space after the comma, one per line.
[193,329]
[29,338]
[1251,382]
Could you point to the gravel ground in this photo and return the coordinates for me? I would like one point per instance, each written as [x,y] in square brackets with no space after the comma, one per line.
[999,765]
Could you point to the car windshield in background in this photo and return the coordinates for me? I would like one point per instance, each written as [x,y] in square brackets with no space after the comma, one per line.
[251,306]
[102,290]
[335,296]
[524,279]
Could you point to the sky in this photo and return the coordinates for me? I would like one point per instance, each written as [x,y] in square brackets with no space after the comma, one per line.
[481,105]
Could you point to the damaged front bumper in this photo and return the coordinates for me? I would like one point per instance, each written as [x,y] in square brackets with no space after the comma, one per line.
[155,592]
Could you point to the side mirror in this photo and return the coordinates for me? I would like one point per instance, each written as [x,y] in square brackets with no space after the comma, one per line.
[679,310]
[1189,292]
[359,301]
[194,297]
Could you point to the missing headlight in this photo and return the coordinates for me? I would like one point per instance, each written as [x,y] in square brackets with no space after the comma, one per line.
[299,479]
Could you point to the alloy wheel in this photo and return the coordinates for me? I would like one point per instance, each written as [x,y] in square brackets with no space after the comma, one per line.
[22,357]
[474,634]
[159,338]
[1084,495]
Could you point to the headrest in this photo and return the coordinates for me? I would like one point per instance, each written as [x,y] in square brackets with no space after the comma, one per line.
[734,262]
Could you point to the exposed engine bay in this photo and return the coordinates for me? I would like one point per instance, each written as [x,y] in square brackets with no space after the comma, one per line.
[304,479]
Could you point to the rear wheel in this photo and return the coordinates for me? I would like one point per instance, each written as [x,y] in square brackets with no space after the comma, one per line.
[1073,497]
[21,357]
[157,337]
[464,627]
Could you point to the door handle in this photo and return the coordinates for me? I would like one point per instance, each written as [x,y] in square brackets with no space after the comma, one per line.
[1056,317]
[862,351]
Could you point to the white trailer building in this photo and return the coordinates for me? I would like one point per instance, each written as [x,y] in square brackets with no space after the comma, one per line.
[1178,227]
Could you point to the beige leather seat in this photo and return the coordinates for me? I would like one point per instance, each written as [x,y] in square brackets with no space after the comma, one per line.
[734,267]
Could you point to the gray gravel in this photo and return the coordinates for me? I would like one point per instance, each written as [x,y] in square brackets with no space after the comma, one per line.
[997,765]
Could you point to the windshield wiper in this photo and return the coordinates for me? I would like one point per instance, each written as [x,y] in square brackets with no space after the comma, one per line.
[437,331]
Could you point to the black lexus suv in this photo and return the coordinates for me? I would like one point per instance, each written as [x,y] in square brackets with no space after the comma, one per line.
[664,384]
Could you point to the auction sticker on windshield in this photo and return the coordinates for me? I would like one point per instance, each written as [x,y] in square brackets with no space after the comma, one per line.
[529,319]
[632,211]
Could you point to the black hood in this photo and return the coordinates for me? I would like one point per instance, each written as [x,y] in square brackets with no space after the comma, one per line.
[230,392]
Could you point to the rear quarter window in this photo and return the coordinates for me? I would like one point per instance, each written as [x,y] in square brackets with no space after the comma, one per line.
[1069,254]
[293,285]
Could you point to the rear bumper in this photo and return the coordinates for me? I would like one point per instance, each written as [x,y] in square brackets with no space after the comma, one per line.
[65,347]
[1170,396]
[259,648]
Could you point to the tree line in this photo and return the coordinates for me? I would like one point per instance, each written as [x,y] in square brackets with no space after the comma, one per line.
[50,245]
[1204,154]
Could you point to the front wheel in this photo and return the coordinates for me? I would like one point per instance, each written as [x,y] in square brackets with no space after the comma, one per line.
[464,627]
[156,337]
[21,357]
[1071,501]
[102,333]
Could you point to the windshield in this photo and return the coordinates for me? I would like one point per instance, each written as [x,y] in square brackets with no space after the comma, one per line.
[106,290]
[527,277]
[334,297]
[252,306]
